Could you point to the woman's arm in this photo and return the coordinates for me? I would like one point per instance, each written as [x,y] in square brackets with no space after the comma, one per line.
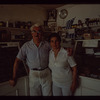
[74,80]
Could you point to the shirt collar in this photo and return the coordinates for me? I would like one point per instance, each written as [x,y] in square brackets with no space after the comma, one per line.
[41,43]
[59,50]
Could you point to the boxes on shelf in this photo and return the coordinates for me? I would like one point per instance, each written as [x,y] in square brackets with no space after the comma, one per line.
[87,36]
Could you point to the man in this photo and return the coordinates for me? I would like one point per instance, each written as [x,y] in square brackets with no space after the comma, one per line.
[36,55]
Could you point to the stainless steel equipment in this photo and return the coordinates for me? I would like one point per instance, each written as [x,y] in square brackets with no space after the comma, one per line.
[87,56]
[8,52]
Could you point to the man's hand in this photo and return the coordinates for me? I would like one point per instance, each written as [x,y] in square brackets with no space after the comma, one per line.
[70,51]
[12,82]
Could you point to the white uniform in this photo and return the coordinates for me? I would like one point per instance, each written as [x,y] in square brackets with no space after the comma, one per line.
[61,71]
[40,82]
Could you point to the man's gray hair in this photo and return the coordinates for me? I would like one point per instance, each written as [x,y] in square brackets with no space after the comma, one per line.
[35,25]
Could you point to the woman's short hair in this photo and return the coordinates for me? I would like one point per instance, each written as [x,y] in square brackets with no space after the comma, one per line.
[55,35]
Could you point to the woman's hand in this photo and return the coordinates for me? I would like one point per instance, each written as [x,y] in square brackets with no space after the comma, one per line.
[74,79]
[73,87]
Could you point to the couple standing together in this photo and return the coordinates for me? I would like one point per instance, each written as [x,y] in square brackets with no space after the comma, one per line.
[52,72]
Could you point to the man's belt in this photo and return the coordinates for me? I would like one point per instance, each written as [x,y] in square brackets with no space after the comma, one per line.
[39,69]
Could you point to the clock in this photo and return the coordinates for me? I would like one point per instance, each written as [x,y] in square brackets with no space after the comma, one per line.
[63,13]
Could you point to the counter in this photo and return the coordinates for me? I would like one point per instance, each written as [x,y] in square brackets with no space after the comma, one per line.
[21,88]
[88,87]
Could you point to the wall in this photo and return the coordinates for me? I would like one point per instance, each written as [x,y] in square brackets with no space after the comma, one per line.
[80,11]
[22,12]
[34,13]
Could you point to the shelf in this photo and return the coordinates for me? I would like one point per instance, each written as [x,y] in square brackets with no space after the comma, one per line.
[87,40]
[13,28]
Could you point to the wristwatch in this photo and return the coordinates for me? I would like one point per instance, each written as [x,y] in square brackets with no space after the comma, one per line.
[63,13]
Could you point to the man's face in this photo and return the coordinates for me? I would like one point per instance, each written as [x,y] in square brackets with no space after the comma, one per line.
[37,33]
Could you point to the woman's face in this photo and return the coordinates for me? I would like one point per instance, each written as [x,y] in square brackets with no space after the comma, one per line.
[54,42]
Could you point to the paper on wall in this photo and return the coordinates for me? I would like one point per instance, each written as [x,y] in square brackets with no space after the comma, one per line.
[71,31]
[90,43]
[89,51]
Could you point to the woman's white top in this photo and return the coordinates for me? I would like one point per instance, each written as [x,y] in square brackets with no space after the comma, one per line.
[60,67]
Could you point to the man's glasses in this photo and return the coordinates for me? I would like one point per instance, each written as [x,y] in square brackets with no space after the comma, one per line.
[36,31]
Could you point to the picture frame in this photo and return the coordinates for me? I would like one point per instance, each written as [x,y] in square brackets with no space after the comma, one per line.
[52,14]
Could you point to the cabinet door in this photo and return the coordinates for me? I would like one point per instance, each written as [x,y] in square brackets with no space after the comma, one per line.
[21,88]
[78,92]
[7,90]
[90,92]
[12,93]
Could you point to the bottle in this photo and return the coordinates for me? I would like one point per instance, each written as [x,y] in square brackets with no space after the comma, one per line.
[7,24]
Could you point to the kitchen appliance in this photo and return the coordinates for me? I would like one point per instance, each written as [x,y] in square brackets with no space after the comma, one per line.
[8,52]
[87,56]
[5,35]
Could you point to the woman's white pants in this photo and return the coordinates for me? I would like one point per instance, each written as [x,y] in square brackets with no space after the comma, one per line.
[61,90]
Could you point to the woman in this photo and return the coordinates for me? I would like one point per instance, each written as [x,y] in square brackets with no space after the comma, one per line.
[63,68]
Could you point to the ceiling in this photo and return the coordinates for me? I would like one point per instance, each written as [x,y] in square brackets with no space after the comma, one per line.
[50,6]
[45,6]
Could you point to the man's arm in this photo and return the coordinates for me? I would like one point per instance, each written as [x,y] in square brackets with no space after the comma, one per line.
[13,81]
[69,50]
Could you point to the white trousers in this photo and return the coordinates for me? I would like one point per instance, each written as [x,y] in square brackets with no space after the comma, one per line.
[61,90]
[40,83]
